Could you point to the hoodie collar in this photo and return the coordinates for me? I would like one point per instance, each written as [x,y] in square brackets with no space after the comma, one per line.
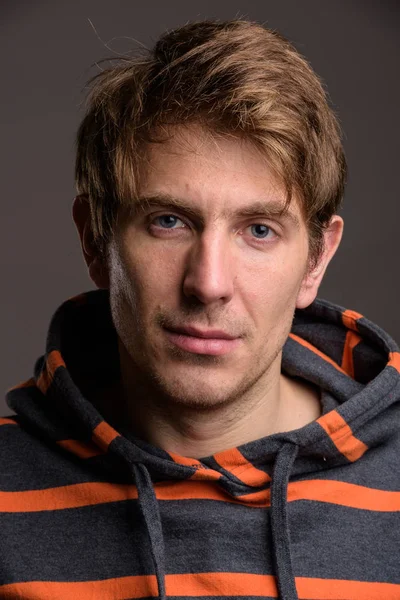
[354,363]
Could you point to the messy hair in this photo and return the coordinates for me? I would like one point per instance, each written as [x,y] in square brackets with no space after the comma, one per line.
[232,78]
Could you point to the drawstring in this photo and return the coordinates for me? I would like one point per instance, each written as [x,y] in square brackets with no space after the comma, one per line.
[279,522]
[148,506]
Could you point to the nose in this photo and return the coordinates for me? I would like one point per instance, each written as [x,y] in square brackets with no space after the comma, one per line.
[209,274]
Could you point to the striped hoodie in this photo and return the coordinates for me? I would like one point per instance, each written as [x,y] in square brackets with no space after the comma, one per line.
[89,512]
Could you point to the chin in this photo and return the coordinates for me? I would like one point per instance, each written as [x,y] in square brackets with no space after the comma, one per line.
[199,389]
[201,402]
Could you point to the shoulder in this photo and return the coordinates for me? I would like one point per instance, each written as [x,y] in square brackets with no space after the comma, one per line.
[29,460]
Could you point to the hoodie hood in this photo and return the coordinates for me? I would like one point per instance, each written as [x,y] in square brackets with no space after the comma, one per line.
[354,363]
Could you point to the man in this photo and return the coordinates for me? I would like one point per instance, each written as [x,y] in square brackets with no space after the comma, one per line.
[201,425]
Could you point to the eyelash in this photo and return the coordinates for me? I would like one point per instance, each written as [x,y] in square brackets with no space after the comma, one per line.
[152,218]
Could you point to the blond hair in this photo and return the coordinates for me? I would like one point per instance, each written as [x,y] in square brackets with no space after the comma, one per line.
[234,77]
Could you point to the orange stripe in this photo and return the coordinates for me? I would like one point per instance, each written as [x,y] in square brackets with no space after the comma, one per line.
[233,461]
[201,584]
[201,473]
[138,586]
[53,362]
[67,496]
[342,436]
[344,494]
[221,584]
[87,494]
[103,435]
[352,340]
[394,360]
[29,383]
[315,350]
[349,318]
[81,449]
[342,589]
[4,421]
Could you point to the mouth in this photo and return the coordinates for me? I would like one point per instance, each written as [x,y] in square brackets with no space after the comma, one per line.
[204,342]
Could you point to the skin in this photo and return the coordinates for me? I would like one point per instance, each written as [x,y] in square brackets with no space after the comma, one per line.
[244,275]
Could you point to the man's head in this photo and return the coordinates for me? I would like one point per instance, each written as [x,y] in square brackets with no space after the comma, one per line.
[235,78]
[226,130]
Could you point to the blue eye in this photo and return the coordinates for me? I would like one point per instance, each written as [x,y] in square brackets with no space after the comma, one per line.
[167,220]
[264,230]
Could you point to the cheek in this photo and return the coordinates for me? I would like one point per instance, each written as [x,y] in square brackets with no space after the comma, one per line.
[272,284]
[270,298]
[147,274]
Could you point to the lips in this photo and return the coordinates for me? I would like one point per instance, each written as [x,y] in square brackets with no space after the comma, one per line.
[214,342]
[216,334]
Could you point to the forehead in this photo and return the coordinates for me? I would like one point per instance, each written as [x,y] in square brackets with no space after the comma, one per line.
[219,176]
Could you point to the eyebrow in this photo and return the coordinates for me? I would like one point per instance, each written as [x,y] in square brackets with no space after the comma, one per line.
[266,209]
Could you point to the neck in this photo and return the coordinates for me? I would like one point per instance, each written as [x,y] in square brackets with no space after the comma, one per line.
[276,403]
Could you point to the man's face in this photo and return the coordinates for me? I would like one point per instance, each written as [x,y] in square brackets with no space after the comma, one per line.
[205,266]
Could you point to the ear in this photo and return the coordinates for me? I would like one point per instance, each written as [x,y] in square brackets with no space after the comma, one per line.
[98,271]
[312,279]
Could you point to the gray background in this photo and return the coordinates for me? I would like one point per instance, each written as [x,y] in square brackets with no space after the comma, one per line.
[47,50]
